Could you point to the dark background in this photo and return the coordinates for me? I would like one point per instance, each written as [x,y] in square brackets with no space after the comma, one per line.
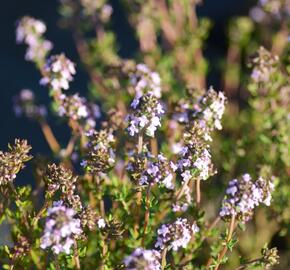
[17,74]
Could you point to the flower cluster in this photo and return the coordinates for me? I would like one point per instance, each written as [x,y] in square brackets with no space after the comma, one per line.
[100,156]
[142,259]
[264,65]
[145,116]
[24,104]
[176,235]
[12,161]
[212,107]
[267,9]
[57,178]
[195,158]
[58,72]
[243,195]
[30,31]
[61,228]
[202,118]
[78,109]
[145,81]
[152,170]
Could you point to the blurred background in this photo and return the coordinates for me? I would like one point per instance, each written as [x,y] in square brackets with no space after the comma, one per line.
[16,73]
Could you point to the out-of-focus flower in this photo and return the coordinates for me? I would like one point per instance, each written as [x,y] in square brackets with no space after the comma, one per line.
[30,31]
[58,72]
[144,81]
[264,65]
[176,235]
[61,228]
[78,109]
[142,259]
[242,196]
[24,104]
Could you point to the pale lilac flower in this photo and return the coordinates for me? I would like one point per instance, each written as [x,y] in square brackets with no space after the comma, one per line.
[145,81]
[243,195]
[142,259]
[59,72]
[176,235]
[30,31]
[61,228]
[145,115]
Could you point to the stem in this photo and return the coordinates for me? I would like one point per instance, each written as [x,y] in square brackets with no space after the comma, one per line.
[198,194]
[56,262]
[246,264]
[70,146]
[163,262]
[229,237]
[104,251]
[139,194]
[49,136]
[147,214]
[76,255]
[154,146]
[40,213]
[140,143]
[181,191]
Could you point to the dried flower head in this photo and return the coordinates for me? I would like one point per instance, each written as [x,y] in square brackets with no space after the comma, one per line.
[243,195]
[57,178]
[61,228]
[58,72]
[176,235]
[142,259]
[100,156]
[91,220]
[270,257]
[12,161]
[21,247]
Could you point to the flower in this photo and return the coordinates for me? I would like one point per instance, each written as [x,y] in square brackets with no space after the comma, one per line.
[176,235]
[264,65]
[30,31]
[243,195]
[145,115]
[59,72]
[78,109]
[147,169]
[24,104]
[61,228]
[145,81]
[142,259]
